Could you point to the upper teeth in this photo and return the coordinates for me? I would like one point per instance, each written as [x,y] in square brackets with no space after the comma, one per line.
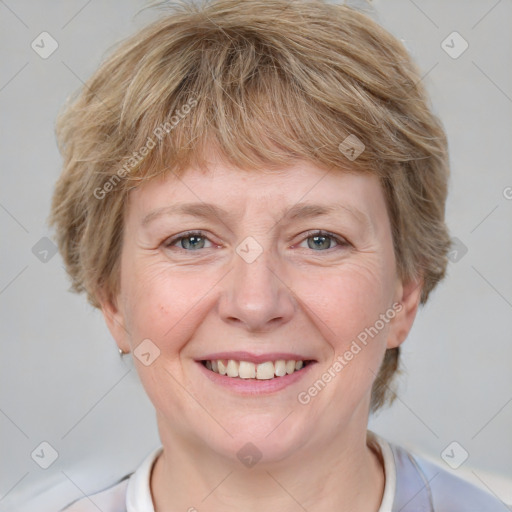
[248,370]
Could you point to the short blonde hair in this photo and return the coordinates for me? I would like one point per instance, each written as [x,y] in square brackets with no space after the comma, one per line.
[267,83]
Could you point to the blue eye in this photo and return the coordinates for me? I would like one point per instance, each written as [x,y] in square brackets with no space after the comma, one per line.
[190,241]
[322,240]
[195,240]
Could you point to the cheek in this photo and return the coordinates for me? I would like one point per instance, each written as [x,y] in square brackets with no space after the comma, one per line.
[162,305]
[346,300]
[161,301]
[348,306]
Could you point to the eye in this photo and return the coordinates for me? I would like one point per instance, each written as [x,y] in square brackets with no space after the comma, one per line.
[195,240]
[189,241]
[321,240]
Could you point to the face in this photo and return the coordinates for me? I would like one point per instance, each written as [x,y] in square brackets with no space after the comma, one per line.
[295,265]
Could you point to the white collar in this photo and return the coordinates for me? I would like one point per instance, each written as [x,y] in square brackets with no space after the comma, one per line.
[389,471]
[138,493]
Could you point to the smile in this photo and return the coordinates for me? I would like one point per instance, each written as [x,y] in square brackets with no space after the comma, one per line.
[248,370]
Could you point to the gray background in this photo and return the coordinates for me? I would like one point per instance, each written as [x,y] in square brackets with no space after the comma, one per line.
[62,380]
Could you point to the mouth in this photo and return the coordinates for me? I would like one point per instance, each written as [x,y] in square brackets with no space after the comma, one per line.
[250,375]
[249,370]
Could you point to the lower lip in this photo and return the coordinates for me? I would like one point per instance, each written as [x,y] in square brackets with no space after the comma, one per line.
[255,386]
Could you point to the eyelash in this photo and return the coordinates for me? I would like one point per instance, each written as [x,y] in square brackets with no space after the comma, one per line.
[310,234]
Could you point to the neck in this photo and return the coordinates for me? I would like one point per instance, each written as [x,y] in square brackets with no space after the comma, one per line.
[346,475]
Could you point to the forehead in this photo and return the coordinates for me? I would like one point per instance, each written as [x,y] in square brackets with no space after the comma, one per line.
[299,190]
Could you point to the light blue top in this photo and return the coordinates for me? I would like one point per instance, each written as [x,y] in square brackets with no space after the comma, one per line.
[412,485]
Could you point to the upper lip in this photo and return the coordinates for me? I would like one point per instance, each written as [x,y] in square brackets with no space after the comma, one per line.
[255,358]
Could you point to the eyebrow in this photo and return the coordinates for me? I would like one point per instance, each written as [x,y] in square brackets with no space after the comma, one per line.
[208,210]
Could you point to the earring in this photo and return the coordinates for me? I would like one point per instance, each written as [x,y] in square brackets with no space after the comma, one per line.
[121,353]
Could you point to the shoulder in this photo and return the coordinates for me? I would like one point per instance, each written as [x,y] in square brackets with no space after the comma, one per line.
[112,499]
[423,485]
[132,491]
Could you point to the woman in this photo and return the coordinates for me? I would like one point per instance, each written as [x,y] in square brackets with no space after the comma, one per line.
[253,194]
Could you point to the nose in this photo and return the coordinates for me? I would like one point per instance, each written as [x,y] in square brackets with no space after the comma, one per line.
[256,295]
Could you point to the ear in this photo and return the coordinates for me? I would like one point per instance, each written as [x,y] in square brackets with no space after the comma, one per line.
[115,320]
[408,295]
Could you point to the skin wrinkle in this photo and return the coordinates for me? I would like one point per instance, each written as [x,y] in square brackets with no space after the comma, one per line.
[291,298]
